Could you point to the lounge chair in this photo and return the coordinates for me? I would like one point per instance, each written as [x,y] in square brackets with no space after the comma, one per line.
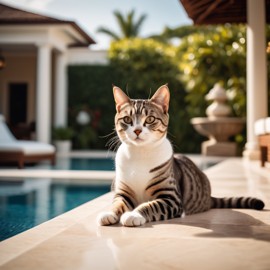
[21,152]
[262,130]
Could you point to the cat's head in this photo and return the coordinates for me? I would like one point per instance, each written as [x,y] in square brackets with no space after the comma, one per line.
[142,121]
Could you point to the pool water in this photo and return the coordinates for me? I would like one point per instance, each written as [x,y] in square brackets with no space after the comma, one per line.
[27,203]
[70,163]
[101,164]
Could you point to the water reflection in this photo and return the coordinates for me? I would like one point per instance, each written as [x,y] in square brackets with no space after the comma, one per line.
[29,202]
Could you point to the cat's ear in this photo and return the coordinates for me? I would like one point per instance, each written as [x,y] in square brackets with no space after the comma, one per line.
[120,98]
[162,97]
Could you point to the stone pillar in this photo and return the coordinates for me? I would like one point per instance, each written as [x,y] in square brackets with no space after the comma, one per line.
[43,120]
[60,102]
[256,73]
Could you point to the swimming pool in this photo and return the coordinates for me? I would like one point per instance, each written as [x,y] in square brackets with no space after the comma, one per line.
[100,164]
[25,203]
[70,163]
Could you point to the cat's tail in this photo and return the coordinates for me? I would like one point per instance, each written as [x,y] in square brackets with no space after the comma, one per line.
[237,202]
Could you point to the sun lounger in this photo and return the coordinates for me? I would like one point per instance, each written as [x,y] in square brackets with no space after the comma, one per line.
[262,130]
[21,152]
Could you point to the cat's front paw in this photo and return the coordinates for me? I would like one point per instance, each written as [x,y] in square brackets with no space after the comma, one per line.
[132,219]
[107,218]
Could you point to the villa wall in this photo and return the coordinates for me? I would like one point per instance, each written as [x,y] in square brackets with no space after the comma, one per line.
[20,68]
[81,56]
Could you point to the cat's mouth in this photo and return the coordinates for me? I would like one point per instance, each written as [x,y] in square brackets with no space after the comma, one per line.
[138,140]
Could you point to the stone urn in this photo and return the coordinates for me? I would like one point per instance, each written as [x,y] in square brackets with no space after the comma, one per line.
[219,107]
[218,126]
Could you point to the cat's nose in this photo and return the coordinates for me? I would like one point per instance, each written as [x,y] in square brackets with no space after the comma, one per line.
[137,131]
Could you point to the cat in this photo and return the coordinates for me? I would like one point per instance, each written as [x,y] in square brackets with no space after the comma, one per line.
[152,183]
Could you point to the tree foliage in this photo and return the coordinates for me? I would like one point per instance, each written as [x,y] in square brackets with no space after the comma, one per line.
[147,64]
[129,27]
[211,55]
[206,55]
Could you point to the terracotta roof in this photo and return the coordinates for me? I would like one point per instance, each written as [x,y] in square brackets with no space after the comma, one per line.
[10,16]
[219,11]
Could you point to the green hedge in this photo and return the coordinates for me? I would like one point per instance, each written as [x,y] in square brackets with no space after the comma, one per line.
[90,89]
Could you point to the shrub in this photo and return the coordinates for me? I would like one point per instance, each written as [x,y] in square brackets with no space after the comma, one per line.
[147,64]
[62,133]
[90,90]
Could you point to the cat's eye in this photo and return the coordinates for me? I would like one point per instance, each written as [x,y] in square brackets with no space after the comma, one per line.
[127,120]
[150,120]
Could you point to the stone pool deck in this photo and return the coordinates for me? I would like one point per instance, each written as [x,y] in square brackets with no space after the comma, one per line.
[217,239]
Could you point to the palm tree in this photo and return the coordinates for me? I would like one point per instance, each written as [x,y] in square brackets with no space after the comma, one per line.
[128,26]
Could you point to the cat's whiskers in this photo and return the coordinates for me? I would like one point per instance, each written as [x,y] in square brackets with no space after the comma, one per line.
[113,143]
[108,135]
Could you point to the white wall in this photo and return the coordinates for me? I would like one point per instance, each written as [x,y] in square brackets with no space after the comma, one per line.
[81,56]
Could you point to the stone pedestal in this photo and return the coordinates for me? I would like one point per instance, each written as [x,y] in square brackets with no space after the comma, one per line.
[214,148]
[218,130]
[218,126]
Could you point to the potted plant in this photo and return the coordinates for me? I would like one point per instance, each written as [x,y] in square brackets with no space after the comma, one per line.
[62,137]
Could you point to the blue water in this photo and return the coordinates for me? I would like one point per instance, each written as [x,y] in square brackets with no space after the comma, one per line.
[66,163]
[27,203]
[102,164]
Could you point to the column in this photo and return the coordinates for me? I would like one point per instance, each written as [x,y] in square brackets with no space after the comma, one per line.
[60,101]
[256,73]
[43,120]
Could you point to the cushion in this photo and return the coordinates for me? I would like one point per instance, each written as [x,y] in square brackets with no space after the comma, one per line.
[262,126]
[28,147]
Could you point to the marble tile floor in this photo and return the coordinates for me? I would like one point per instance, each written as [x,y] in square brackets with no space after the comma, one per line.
[217,239]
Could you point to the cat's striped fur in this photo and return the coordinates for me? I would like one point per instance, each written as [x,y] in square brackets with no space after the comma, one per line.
[151,182]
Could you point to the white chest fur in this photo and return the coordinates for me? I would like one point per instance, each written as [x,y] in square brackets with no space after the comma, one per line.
[133,165]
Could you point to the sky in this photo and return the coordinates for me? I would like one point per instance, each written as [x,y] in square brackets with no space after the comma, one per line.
[91,14]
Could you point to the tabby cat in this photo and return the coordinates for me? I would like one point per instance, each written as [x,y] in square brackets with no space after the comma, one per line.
[151,182]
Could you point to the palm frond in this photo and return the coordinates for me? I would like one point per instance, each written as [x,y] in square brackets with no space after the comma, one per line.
[108,32]
[121,22]
[128,26]
[137,26]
